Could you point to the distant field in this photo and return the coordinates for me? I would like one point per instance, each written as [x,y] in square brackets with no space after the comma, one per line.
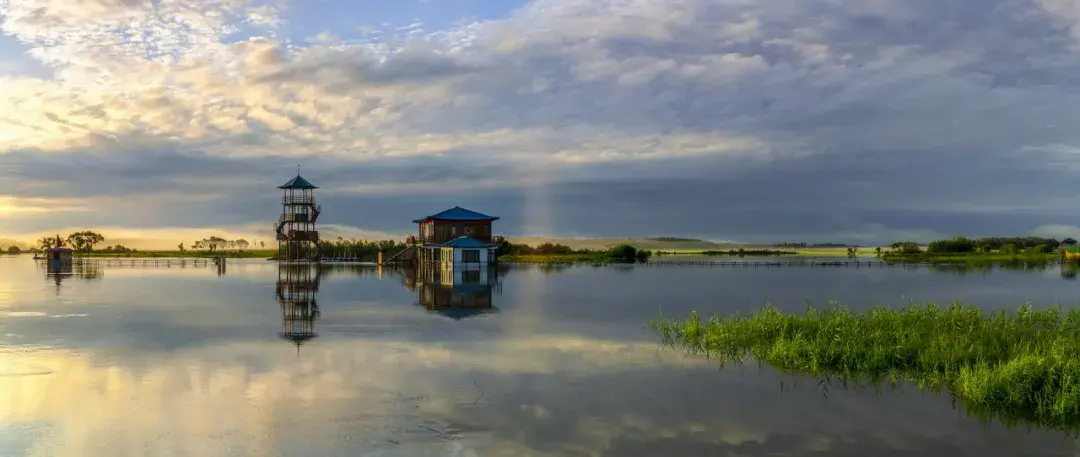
[640,243]
[682,247]
[828,252]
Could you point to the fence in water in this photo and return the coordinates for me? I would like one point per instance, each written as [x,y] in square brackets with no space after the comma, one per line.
[140,263]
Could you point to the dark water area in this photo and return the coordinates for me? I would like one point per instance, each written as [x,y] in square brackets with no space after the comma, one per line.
[120,361]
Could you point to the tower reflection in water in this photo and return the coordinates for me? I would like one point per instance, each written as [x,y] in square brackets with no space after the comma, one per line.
[297,287]
[454,292]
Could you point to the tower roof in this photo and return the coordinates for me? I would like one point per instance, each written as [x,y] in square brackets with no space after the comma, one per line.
[458,213]
[298,183]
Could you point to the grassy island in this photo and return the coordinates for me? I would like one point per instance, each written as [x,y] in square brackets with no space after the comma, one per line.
[1020,365]
[981,250]
[972,257]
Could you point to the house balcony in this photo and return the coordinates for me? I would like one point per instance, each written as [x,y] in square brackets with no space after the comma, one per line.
[413,240]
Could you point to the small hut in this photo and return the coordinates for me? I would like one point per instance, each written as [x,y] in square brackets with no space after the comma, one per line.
[58,258]
[1069,249]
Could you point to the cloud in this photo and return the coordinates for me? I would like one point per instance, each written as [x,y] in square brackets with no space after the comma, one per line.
[1056,231]
[860,121]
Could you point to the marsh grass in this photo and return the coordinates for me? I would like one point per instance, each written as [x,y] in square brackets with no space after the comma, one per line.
[1021,366]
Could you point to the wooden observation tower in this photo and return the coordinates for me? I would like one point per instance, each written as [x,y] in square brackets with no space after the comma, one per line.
[298,240]
[297,286]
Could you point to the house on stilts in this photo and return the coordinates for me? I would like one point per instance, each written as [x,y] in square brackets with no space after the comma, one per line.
[458,238]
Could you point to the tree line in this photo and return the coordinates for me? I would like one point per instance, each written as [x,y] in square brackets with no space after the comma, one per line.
[215,243]
[363,250]
[964,245]
[621,252]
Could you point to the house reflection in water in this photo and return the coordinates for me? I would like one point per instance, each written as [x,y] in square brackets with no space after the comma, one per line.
[1069,270]
[297,286]
[455,293]
[59,272]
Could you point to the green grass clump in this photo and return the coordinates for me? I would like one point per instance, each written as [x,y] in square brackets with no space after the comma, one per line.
[1017,365]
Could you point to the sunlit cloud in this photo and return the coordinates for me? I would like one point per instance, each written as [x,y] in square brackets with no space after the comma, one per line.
[558,97]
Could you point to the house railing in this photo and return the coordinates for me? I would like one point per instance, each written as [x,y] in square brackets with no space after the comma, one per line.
[422,240]
[297,200]
[295,217]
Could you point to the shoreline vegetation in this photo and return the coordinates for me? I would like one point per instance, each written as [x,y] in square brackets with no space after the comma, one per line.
[959,250]
[1020,366]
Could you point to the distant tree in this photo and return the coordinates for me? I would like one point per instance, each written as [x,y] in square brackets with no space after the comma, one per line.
[262,244]
[906,247]
[181,246]
[85,241]
[214,243]
[242,244]
[46,242]
[877,251]
[624,252]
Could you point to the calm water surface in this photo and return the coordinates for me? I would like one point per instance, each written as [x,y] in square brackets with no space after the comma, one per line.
[187,362]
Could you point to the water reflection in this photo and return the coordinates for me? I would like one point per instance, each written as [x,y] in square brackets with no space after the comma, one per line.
[455,293]
[61,271]
[174,362]
[1068,270]
[297,287]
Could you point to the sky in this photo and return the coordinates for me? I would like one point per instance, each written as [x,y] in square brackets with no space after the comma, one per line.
[866,121]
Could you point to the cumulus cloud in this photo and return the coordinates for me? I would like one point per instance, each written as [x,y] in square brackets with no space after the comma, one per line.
[879,118]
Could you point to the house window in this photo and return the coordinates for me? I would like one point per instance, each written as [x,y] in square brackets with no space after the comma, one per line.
[470,256]
[468,231]
[453,232]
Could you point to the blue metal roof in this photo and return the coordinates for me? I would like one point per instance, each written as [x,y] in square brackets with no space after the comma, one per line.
[298,183]
[458,213]
[465,242]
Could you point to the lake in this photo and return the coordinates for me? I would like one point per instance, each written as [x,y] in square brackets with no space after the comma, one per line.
[121,361]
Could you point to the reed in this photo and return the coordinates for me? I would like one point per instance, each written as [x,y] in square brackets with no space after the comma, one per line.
[1017,365]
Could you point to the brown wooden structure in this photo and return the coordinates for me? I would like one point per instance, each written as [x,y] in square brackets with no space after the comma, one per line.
[298,239]
[455,222]
[455,236]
